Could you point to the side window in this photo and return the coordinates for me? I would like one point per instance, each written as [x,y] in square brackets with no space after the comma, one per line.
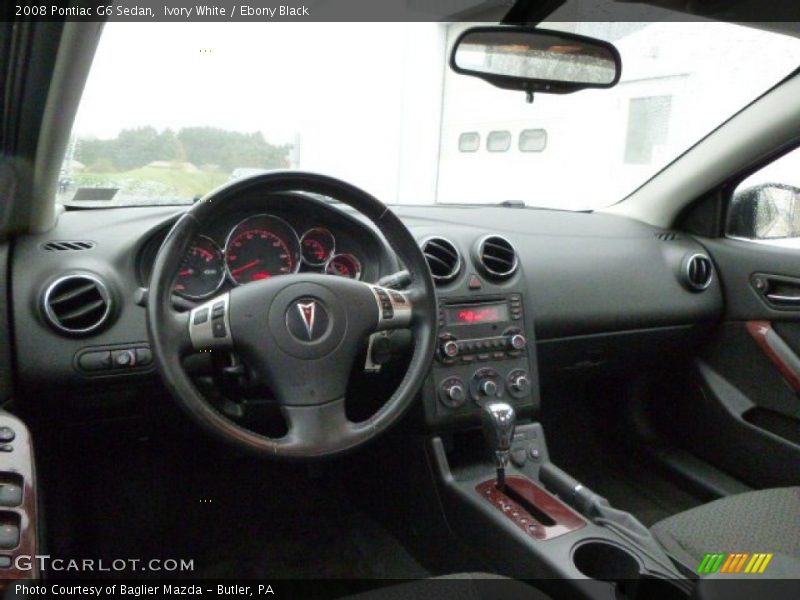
[498,141]
[532,140]
[469,141]
[765,207]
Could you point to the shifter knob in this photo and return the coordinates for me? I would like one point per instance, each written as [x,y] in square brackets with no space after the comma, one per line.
[499,420]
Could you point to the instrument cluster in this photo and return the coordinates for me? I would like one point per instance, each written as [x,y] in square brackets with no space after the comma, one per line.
[259,247]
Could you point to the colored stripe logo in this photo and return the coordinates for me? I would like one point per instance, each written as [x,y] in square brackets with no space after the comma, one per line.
[735,562]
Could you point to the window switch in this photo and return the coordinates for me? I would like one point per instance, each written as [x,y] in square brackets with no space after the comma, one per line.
[9,536]
[10,494]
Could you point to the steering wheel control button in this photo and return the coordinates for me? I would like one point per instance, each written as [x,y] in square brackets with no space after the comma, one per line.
[208,324]
[6,448]
[7,435]
[307,319]
[5,562]
[394,308]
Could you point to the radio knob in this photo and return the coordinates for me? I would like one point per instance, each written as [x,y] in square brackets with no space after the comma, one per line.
[487,387]
[450,349]
[518,341]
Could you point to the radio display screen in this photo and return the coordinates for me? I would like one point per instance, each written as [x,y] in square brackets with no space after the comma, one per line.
[468,314]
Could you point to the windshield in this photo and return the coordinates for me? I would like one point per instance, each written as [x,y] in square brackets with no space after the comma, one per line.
[376,104]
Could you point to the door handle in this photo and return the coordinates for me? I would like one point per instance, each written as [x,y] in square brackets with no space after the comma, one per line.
[777,291]
[783,299]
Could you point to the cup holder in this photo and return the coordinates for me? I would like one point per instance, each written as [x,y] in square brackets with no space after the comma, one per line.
[606,562]
[610,563]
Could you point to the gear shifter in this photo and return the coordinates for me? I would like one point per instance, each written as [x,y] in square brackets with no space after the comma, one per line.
[499,420]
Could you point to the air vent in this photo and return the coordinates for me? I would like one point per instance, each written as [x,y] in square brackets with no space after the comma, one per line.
[77,304]
[698,272]
[68,245]
[497,256]
[443,258]
[667,236]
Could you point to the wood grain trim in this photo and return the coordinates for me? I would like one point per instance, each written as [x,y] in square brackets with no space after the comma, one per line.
[562,519]
[776,350]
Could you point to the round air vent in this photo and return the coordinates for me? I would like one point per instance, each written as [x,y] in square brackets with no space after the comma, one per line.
[77,304]
[497,256]
[443,258]
[698,272]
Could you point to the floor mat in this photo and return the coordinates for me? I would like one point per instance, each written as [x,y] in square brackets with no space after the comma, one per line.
[233,516]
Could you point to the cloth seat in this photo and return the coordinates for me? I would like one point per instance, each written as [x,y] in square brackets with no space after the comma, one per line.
[463,586]
[761,521]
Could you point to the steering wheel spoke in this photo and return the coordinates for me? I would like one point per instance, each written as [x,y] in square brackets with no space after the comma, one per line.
[395,308]
[209,325]
[312,429]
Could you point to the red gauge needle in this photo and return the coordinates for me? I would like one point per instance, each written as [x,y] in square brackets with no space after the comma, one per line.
[249,265]
[186,272]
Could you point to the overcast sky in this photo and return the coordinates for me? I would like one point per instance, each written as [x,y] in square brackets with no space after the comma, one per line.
[241,76]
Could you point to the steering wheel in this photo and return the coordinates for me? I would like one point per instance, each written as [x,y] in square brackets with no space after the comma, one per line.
[299,334]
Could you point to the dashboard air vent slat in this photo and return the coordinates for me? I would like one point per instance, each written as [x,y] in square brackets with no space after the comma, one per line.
[698,272]
[667,236]
[444,259]
[68,245]
[77,304]
[497,256]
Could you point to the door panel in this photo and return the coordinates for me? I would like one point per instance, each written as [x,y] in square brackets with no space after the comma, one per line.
[742,411]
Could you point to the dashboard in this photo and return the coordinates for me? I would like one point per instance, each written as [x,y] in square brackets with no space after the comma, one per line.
[523,294]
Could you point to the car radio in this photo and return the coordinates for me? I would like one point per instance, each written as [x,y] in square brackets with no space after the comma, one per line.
[482,354]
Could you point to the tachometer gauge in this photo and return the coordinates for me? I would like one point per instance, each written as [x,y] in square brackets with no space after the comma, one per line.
[202,270]
[317,246]
[344,265]
[261,247]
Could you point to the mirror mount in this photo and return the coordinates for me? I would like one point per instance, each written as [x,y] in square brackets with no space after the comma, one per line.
[534,60]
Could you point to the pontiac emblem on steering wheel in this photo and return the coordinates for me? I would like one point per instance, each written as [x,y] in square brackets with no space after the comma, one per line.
[308,312]
[307,319]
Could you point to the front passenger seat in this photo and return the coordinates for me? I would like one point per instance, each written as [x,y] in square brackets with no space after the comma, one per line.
[761,521]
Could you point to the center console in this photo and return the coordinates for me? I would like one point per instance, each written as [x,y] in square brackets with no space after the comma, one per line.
[485,352]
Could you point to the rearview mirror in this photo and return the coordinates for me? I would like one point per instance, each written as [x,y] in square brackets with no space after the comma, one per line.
[536,60]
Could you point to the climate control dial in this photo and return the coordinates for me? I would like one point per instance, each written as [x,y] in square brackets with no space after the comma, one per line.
[453,392]
[486,384]
[518,383]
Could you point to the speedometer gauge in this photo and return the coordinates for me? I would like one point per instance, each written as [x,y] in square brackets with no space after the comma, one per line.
[261,247]
[344,265]
[317,246]
[202,270]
